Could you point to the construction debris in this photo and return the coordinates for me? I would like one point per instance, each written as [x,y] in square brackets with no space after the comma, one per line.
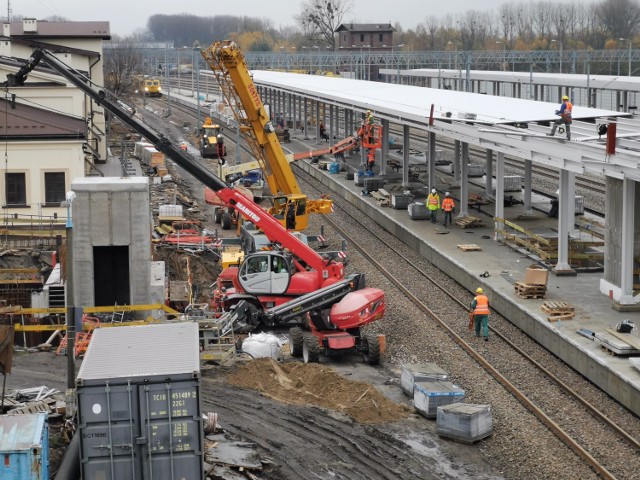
[470,247]
[469,222]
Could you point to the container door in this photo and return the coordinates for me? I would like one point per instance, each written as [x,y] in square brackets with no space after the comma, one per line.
[109,424]
[172,431]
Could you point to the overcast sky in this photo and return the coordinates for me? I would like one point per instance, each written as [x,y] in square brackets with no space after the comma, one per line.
[126,16]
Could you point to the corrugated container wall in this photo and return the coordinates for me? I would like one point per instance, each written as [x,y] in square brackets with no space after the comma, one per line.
[139,404]
[24,447]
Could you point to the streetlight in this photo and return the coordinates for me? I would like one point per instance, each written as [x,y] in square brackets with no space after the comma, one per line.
[504,54]
[70,196]
[196,67]
[455,53]
[559,42]
[630,41]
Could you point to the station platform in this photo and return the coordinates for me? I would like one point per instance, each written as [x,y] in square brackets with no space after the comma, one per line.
[615,374]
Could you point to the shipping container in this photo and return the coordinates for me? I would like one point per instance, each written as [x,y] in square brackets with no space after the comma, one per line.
[417,372]
[139,409]
[24,446]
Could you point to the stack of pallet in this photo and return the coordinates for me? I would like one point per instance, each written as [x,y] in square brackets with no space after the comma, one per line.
[526,290]
[558,310]
[469,222]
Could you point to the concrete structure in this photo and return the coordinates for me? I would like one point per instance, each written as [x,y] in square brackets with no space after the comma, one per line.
[111,242]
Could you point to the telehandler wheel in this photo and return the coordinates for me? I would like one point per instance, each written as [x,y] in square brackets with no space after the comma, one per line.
[217,215]
[225,221]
[310,350]
[296,341]
[371,349]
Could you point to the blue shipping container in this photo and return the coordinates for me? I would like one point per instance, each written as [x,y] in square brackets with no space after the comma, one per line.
[24,446]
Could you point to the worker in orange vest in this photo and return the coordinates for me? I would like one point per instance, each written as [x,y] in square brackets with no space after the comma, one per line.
[433,204]
[448,207]
[565,118]
[480,308]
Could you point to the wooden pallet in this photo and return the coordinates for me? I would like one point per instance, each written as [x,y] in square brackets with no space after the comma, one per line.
[558,310]
[382,199]
[469,222]
[525,290]
[469,247]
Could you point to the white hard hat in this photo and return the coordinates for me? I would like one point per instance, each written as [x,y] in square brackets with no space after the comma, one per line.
[447,194]
[433,191]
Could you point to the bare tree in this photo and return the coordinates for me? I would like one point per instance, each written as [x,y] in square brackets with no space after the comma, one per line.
[320,18]
[121,64]
[619,18]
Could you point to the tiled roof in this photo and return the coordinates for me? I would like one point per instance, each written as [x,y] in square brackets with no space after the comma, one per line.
[365,27]
[64,29]
[25,121]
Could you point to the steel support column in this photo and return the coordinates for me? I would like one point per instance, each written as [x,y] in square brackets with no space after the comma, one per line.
[566,204]
[456,163]
[405,156]
[499,194]
[488,174]
[432,161]
[528,164]
[385,146]
[464,182]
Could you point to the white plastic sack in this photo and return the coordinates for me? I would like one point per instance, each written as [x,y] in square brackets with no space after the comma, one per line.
[262,345]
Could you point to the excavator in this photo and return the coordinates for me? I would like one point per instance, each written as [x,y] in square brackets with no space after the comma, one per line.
[290,283]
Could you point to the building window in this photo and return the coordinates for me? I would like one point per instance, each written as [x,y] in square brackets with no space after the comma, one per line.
[16,189]
[54,188]
[380,37]
[362,37]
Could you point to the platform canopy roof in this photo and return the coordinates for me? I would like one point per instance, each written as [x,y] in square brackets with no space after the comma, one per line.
[512,126]
[410,101]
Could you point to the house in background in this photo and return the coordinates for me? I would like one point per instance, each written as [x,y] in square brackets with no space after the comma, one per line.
[365,40]
[51,131]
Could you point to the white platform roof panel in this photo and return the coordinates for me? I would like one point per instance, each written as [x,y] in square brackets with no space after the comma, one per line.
[609,82]
[414,103]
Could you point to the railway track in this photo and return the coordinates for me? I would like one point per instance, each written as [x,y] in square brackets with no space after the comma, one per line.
[551,391]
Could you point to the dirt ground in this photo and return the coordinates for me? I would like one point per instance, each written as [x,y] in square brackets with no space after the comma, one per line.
[340,419]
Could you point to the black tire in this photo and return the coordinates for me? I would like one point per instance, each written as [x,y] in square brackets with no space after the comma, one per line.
[371,349]
[310,350]
[217,216]
[225,221]
[296,341]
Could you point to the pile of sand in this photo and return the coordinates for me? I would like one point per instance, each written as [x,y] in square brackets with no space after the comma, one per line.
[314,384]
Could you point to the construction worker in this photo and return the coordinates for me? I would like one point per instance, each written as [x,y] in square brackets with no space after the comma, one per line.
[448,207]
[183,146]
[369,117]
[565,118]
[433,205]
[480,309]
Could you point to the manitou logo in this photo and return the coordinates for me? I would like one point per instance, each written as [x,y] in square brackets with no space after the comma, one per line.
[248,213]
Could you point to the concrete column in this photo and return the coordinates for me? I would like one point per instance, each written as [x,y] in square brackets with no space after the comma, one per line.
[317,107]
[464,182]
[499,195]
[488,174]
[456,163]
[336,122]
[332,125]
[528,164]
[464,161]
[306,119]
[405,156]
[565,204]
[432,161]
[628,229]
[385,146]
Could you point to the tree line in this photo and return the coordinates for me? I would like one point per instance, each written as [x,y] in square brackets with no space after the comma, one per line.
[514,26]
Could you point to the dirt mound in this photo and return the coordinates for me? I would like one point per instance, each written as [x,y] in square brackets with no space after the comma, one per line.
[304,384]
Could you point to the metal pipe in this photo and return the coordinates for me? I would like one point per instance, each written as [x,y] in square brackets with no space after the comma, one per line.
[70,465]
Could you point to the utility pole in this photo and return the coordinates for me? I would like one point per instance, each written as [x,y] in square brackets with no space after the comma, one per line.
[70,303]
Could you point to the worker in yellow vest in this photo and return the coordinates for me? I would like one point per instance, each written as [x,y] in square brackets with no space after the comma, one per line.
[480,308]
[433,205]
[448,207]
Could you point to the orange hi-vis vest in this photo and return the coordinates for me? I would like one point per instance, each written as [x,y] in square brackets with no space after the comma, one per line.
[482,305]
[448,204]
